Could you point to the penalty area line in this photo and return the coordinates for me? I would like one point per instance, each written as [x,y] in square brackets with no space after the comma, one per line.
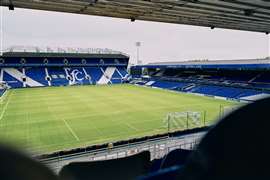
[71,130]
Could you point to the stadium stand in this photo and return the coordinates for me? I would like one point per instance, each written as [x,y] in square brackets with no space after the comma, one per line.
[58,76]
[28,68]
[168,84]
[78,75]
[233,79]
[11,77]
[37,74]
[95,73]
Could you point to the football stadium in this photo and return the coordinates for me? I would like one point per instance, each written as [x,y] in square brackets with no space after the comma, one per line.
[89,101]
[86,113]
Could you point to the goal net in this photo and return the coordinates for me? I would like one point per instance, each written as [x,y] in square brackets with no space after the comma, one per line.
[183,120]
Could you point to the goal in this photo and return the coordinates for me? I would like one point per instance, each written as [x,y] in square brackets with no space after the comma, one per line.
[184,120]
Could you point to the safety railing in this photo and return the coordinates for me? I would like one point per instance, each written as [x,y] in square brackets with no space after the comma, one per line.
[157,147]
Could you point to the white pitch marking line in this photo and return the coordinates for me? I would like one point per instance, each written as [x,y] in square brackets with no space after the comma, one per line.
[5,108]
[130,126]
[70,129]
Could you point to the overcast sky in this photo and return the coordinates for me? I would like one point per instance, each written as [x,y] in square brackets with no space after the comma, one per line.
[160,41]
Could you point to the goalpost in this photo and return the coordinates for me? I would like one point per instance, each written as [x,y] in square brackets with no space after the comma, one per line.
[174,121]
[184,120]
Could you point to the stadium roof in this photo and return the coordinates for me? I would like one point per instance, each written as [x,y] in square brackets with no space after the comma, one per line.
[63,50]
[250,15]
[33,51]
[217,62]
[249,64]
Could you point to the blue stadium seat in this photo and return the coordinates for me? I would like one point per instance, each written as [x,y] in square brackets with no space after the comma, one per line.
[37,74]
[12,78]
[58,76]
[195,87]
[94,72]
[116,77]
[122,71]
[168,84]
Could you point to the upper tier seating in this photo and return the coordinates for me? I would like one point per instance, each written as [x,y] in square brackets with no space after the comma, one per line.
[236,78]
[252,78]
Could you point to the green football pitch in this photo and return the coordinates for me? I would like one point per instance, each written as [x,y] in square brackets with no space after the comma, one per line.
[49,119]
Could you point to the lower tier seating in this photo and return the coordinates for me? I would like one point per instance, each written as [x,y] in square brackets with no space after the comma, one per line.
[229,92]
[168,84]
[211,90]
[61,76]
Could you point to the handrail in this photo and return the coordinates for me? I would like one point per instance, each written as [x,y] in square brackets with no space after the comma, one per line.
[103,150]
[158,148]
